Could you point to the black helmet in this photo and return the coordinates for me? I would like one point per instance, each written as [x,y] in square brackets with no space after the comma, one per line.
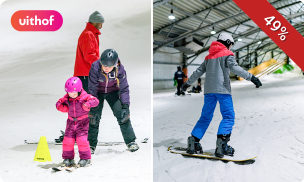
[109,58]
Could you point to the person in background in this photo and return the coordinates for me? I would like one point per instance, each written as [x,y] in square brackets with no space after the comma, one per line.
[88,48]
[178,76]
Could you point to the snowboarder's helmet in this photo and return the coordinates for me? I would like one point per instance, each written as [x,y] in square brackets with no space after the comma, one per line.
[226,39]
[109,58]
[73,84]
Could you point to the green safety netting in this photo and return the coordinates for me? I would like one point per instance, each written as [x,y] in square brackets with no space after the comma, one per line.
[284,68]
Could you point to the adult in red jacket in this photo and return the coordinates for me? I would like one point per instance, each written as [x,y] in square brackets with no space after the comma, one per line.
[88,48]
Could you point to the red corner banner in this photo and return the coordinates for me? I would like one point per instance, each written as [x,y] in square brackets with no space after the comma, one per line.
[276,27]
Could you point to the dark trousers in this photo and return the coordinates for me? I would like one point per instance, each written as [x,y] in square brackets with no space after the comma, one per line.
[179,85]
[126,128]
[85,82]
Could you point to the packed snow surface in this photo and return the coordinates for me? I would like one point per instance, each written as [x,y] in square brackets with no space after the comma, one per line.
[269,124]
[33,69]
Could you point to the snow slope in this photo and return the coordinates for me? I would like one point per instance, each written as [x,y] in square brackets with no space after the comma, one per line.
[33,69]
[269,124]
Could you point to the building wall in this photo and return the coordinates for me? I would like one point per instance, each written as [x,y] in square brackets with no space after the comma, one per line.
[165,71]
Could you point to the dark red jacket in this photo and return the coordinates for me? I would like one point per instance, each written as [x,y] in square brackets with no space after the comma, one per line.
[87,50]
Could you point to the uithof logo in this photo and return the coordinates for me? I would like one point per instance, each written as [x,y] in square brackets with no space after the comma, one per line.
[36,20]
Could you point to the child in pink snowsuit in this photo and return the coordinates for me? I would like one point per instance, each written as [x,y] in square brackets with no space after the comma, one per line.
[77,103]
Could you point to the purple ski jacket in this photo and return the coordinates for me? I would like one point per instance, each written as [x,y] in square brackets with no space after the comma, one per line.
[106,83]
[74,107]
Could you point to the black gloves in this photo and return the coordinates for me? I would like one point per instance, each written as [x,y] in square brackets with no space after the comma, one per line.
[125,113]
[185,86]
[256,81]
[93,115]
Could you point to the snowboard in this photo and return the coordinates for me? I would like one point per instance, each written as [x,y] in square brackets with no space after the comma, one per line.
[210,155]
[182,95]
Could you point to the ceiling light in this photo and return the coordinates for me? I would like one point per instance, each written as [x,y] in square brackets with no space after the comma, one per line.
[259,42]
[240,39]
[213,32]
[171,16]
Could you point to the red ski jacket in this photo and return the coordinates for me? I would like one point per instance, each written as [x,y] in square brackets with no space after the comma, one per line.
[87,50]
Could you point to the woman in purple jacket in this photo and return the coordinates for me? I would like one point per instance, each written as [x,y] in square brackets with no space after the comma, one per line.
[108,81]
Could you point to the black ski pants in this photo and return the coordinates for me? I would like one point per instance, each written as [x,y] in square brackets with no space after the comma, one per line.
[85,82]
[179,85]
[126,128]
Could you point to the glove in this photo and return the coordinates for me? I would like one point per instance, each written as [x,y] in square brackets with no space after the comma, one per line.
[86,106]
[125,113]
[256,81]
[93,115]
[61,106]
[184,87]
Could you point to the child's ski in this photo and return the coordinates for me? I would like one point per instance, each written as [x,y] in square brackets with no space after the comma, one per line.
[72,169]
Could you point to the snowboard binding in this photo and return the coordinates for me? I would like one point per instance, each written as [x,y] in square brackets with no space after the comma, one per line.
[222,148]
[193,147]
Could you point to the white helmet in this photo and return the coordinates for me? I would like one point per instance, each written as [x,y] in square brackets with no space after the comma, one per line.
[226,37]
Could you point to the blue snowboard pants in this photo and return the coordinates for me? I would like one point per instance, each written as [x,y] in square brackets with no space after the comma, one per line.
[227,111]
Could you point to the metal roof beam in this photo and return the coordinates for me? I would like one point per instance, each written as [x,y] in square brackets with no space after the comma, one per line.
[186,13]
[295,26]
[158,3]
[222,12]
[218,22]
[211,25]
[252,31]
[188,17]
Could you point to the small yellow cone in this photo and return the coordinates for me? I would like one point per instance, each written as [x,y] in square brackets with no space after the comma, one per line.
[42,152]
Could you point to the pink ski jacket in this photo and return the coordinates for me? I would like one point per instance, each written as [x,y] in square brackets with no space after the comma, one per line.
[78,107]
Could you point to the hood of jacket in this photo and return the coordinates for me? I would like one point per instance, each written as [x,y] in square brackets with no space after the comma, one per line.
[218,49]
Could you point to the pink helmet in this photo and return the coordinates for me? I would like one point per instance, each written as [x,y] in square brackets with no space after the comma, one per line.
[73,84]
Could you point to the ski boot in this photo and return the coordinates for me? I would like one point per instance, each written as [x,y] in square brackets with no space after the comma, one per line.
[92,149]
[68,162]
[193,146]
[84,162]
[132,146]
[222,148]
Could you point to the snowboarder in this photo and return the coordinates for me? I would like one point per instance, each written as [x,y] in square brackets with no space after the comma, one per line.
[88,48]
[217,66]
[178,76]
[108,81]
[196,89]
[77,103]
